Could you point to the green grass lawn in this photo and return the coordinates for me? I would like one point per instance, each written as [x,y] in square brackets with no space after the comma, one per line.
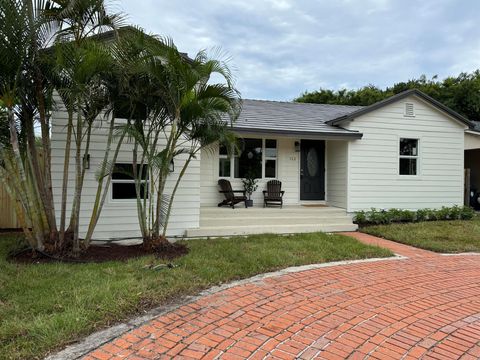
[440,236]
[43,307]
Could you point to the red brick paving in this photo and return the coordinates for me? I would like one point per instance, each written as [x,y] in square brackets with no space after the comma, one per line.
[426,306]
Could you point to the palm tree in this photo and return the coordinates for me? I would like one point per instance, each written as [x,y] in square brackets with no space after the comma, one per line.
[24,93]
[82,66]
[190,112]
[28,74]
[129,92]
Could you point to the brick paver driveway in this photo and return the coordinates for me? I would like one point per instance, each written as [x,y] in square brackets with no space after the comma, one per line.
[426,305]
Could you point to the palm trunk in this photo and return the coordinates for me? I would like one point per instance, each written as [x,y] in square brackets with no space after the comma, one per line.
[36,174]
[102,192]
[141,211]
[164,170]
[47,163]
[22,176]
[75,214]
[66,166]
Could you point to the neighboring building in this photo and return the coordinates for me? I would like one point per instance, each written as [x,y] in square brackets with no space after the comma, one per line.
[404,152]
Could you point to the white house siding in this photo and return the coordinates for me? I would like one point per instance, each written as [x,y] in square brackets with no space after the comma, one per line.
[287,173]
[373,179]
[119,217]
[336,174]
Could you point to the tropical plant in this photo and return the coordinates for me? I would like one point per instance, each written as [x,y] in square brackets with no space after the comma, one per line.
[25,97]
[376,217]
[250,183]
[46,45]
[187,113]
[83,63]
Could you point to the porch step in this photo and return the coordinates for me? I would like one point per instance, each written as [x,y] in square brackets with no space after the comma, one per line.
[290,219]
[215,231]
[258,220]
[295,211]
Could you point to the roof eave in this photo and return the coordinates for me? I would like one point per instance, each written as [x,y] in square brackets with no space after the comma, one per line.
[347,135]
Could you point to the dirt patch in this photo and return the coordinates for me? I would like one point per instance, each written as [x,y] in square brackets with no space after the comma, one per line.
[103,253]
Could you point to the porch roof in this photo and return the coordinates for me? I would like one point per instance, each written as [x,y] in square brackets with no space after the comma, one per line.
[296,119]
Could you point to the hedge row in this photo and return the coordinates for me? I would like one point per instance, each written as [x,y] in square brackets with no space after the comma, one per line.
[378,216]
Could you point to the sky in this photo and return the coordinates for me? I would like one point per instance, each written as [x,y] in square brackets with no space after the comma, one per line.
[280,48]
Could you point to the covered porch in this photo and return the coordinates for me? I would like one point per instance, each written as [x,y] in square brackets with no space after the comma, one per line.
[224,221]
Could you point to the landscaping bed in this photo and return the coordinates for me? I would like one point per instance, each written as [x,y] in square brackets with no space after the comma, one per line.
[46,306]
[102,253]
[453,236]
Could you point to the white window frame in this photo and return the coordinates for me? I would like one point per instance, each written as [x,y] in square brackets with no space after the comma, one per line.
[264,158]
[224,156]
[125,181]
[417,157]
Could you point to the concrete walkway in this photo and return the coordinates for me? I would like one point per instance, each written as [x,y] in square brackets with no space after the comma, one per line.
[426,306]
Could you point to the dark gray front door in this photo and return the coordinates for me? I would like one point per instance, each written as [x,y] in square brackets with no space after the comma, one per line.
[312,170]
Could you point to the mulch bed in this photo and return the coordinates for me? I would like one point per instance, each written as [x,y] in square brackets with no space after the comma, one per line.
[103,253]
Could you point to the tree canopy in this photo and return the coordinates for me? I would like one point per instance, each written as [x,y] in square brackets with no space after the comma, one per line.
[461,93]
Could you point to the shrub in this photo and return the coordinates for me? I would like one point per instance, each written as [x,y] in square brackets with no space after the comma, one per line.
[467,213]
[443,213]
[383,216]
[378,216]
[408,215]
[360,217]
[422,214]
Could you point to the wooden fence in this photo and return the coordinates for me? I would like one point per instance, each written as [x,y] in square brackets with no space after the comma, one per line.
[8,218]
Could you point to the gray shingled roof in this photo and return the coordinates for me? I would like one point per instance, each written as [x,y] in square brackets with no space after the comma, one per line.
[291,118]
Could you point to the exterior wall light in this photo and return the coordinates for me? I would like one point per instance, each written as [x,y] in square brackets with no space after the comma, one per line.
[86,161]
[297,146]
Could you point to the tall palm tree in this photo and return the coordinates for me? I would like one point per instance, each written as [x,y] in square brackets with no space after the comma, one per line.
[28,74]
[188,110]
[82,22]
[24,93]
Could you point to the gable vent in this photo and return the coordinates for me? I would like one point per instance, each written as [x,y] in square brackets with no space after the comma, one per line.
[409,109]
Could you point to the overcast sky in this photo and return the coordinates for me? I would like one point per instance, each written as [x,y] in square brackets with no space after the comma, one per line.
[280,48]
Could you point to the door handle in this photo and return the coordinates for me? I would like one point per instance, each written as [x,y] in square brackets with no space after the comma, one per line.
[301,173]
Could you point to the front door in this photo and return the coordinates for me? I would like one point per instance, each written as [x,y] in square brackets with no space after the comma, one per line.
[312,170]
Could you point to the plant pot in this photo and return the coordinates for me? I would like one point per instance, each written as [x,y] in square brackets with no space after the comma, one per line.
[249,203]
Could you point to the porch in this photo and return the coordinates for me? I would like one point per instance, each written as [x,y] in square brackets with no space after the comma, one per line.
[290,219]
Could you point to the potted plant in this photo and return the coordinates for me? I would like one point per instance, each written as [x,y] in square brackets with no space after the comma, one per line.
[250,185]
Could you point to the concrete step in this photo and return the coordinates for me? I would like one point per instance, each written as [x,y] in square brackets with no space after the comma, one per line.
[269,212]
[215,231]
[287,219]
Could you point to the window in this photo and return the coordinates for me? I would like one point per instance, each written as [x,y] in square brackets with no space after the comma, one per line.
[270,158]
[123,181]
[255,157]
[248,161]
[408,156]
[224,162]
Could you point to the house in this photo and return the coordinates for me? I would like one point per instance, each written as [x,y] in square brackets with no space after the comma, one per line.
[404,152]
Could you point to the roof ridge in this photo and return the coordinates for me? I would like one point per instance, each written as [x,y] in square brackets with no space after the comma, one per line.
[303,103]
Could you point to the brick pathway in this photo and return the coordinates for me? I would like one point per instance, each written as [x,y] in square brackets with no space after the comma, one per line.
[426,306]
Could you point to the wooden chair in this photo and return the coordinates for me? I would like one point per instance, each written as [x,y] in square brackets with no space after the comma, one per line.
[230,198]
[274,194]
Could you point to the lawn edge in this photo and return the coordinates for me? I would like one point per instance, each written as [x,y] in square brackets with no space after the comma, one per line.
[98,338]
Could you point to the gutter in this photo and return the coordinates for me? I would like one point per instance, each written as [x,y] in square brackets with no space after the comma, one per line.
[347,135]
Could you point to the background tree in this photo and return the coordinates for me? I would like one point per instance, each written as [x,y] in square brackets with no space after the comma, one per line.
[461,93]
